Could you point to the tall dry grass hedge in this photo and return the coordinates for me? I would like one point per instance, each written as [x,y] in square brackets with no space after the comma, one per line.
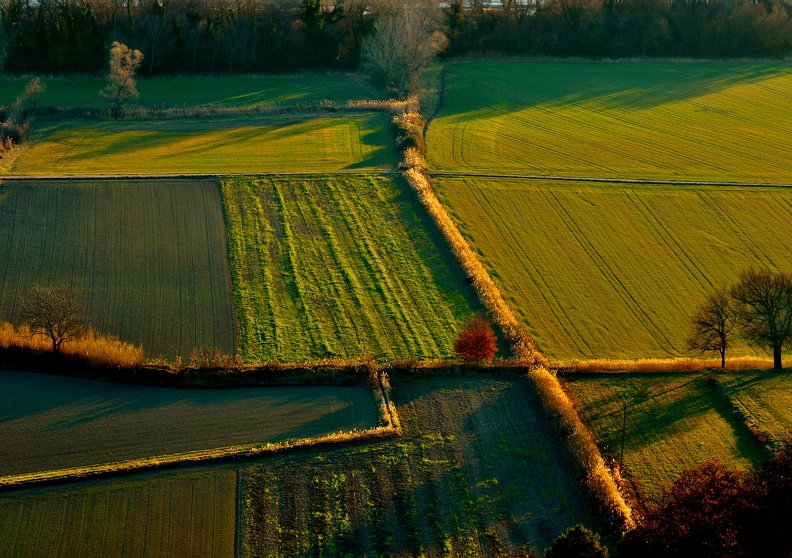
[679,364]
[523,345]
[92,346]
[598,477]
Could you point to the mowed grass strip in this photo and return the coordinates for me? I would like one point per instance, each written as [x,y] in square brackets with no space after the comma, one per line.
[147,259]
[289,143]
[674,422]
[704,121]
[477,473]
[339,266]
[149,516]
[236,91]
[596,271]
[78,422]
[766,398]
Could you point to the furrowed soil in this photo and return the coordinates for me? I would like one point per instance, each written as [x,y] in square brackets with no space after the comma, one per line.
[598,271]
[146,259]
[340,266]
[236,91]
[252,144]
[50,422]
[477,473]
[174,515]
[700,120]
[674,422]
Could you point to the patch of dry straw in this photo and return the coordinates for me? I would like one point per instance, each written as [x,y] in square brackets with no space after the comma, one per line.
[679,364]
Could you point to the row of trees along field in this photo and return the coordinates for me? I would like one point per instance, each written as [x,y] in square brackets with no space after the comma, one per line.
[242,36]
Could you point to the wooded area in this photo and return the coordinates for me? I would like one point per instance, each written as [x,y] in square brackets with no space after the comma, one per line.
[244,36]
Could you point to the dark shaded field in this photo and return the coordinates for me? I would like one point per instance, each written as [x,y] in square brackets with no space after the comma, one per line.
[147,259]
[477,473]
[49,422]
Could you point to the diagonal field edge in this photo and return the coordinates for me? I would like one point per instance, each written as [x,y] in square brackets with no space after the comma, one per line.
[665,182]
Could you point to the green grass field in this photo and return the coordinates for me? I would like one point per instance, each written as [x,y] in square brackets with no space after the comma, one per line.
[252,144]
[766,398]
[600,271]
[477,473]
[674,422]
[50,422]
[340,266]
[703,120]
[174,515]
[147,259]
[237,91]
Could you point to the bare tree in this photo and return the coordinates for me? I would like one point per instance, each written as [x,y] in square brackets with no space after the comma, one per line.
[53,312]
[29,98]
[121,85]
[763,301]
[712,325]
[404,40]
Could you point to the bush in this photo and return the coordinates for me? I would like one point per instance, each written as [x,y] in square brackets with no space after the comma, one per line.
[477,342]
[577,542]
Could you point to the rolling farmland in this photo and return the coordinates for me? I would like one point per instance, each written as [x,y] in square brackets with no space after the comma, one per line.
[82,422]
[674,422]
[477,473]
[146,258]
[703,121]
[329,266]
[174,515]
[600,271]
[251,144]
[236,91]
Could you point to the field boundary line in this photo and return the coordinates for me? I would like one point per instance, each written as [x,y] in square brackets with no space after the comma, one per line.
[214,455]
[193,176]
[659,182]
[440,93]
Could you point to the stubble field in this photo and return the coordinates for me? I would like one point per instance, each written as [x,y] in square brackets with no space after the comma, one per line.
[652,120]
[600,271]
[329,266]
[146,259]
[477,473]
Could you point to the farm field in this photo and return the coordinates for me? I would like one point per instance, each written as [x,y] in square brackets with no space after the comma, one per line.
[765,397]
[477,473]
[147,259]
[674,422]
[173,515]
[340,266]
[237,91]
[79,422]
[653,120]
[597,271]
[251,144]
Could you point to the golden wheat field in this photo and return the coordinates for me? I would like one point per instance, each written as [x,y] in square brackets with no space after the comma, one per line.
[596,271]
[727,121]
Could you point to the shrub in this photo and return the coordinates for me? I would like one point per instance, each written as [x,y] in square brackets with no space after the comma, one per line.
[477,342]
[577,542]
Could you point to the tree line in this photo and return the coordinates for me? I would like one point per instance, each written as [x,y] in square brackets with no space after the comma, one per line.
[248,36]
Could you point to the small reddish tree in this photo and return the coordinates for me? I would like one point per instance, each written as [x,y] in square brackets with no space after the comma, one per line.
[476,342]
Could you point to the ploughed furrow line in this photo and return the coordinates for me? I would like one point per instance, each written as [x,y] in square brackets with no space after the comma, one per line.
[171,515]
[347,266]
[635,261]
[147,259]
